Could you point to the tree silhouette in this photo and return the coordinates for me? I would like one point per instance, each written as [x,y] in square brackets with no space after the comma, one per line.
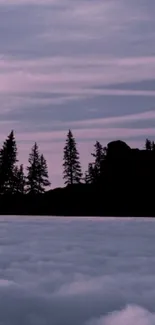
[91,174]
[43,175]
[148,144]
[19,180]
[8,159]
[99,156]
[37,178]
[33,170]
[72,173]
[153,146]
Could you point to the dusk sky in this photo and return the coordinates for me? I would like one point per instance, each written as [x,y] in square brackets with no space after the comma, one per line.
[88,65]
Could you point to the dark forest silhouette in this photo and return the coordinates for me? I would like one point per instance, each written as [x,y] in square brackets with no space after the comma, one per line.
[120,181]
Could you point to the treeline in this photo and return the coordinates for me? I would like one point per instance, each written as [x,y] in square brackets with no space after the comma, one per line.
[12,177]
[118,182]
[98,169]
[72,171]
[14,181]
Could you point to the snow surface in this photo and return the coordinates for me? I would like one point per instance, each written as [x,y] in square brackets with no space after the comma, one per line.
[77,271]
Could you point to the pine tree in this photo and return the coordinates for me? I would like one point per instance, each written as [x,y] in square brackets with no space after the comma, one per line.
[43,175]
[8,159]
[99,156]
[153,146]
[37,178]
[91,174]
[148,144]
[72,168]
[33,170]
[19,180]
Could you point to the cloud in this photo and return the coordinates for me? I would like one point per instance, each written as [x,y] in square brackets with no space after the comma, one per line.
[21,2]
[5,283]
[73,76]
[51,271]
[129,316]
[149,115]
[85,134]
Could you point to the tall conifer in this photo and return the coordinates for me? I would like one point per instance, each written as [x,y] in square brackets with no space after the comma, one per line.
[8,159]
[72,167]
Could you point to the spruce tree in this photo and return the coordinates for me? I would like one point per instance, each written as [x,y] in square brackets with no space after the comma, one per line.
[148,145]
[19,180]
[43,175]
[99,156]
[37,178]
[91,174]
[72,173]
[8,159]
[153,146]
[33,170]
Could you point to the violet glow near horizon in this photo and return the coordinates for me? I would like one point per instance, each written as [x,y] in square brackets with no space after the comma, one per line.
[84,65]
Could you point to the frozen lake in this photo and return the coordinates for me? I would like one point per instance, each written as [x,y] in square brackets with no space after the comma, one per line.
[77,271]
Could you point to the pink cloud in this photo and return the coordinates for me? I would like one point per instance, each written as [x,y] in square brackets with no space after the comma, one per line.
[148,115]
[86,134]
[73,76]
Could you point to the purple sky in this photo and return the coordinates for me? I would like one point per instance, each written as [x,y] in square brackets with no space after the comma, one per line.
[88,65]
